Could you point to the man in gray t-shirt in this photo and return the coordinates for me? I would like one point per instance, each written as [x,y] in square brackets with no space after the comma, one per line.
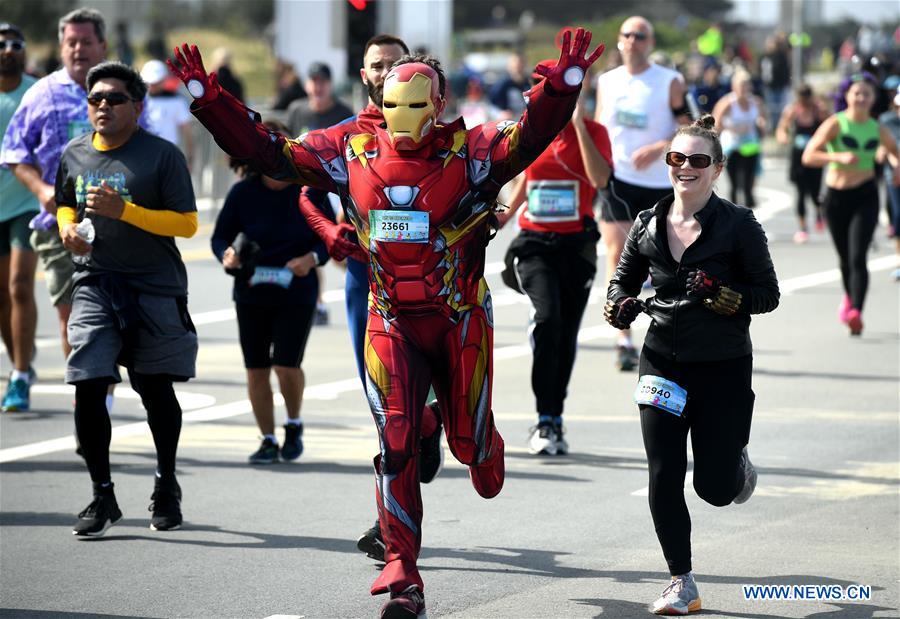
[320,109]
[129,304]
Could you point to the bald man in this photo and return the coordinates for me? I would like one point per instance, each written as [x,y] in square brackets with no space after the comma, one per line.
[641,104]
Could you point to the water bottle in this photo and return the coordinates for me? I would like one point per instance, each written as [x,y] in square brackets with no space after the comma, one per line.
[85,230]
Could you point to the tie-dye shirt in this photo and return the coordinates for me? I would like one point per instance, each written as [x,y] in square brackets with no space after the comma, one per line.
[52,112]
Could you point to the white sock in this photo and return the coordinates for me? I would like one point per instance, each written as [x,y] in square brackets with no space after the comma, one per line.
[17,375]
[625,341]
[271,437]
[109,402]
[293,422]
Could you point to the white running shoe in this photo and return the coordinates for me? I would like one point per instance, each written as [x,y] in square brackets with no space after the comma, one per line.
[542,440]
[679,598]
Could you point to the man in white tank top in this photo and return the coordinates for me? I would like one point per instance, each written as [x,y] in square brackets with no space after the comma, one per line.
[641,104]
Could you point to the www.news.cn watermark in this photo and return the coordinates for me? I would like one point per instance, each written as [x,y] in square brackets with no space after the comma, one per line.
[818,593]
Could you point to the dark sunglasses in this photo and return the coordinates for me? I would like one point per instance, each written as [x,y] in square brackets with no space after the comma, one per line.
[15,45]
[113,98]
[698,161]
[637,36]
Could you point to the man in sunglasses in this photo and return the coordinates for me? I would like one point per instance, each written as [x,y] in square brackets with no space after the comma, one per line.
[18,312]
[641,104]
[129,302]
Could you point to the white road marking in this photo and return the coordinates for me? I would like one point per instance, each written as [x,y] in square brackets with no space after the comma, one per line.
[793,284]
[331,390]
[324,391]
[187,399]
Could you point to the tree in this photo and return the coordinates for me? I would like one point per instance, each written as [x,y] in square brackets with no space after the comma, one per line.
[38,20]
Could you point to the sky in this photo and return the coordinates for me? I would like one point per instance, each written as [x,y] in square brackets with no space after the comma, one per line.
[873,11]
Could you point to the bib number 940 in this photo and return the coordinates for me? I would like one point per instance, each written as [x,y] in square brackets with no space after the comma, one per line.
[660,393]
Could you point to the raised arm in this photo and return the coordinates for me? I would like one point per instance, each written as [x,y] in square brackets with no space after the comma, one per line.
[314,161]
[512,147]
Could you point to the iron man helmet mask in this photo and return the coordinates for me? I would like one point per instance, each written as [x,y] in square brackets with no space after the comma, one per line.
[412,104]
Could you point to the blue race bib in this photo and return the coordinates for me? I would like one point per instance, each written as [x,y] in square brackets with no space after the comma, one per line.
[273,276]
[392,226]
[552,201]
[661,393]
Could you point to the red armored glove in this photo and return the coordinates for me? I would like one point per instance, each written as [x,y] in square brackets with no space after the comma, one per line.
[569,71]
[337,243]
[188,67]
[333,235]
[620,314]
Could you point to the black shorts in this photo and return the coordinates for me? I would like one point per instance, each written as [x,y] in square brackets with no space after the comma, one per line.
[273,334]
[624,201]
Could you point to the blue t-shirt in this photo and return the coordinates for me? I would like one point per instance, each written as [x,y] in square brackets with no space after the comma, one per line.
[17,200]
[273,220]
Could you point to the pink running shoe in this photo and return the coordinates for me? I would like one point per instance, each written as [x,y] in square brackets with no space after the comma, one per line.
[844,309]
[801,237]
[854,321]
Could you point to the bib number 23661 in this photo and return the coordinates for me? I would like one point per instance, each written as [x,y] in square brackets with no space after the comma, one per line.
[399,226]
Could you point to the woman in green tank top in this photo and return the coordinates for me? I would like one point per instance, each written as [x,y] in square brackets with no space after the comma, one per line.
[846,143]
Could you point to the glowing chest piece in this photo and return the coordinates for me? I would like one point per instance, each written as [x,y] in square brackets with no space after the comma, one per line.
[401,196]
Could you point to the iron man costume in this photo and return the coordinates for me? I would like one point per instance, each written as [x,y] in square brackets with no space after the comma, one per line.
[430,316]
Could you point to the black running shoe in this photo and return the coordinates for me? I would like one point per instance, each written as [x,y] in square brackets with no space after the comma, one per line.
[293,442]
[407,605]
[431,456]
[102,513]
[165,505]
[266,454]
[627,358]
[372,543]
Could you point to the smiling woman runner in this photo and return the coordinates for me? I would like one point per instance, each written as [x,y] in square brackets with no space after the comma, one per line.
[710,268]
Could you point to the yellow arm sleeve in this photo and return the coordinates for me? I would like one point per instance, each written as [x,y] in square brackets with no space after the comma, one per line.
[65,215]
[163,223]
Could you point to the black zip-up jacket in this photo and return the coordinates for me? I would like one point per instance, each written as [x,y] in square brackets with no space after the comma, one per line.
[732,247]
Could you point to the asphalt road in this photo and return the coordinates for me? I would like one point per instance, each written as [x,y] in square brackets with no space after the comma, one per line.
[568,536]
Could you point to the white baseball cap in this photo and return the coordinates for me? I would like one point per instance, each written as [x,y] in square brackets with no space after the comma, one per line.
[154,71]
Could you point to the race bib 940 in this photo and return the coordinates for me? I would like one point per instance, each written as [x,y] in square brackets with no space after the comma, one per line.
[391,226]
[663,394]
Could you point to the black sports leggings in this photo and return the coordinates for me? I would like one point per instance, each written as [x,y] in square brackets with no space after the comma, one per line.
[852,215]
[717,415]
[558,282]
[94,430]
[742,174]
[809,184]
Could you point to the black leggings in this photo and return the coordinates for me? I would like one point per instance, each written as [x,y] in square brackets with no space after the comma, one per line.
[852,215]
[742,174]
[94,430]
[558,282]
[717,415]
[809,183]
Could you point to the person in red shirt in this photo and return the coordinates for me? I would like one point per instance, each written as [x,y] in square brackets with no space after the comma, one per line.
[554,258]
